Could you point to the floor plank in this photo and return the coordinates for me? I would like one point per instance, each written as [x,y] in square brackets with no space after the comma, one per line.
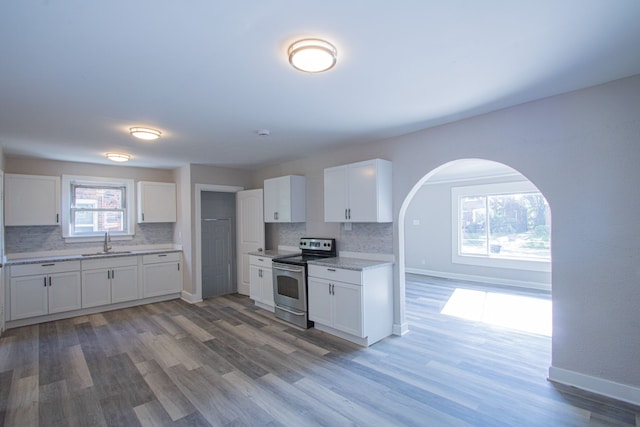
[225,362]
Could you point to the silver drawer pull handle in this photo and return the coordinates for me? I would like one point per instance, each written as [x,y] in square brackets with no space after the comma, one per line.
[47,265]
[162,255]
[331,269]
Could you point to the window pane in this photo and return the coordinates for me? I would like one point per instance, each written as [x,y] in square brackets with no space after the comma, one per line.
[519,226]
[473,218]
[99,197]
[98,221]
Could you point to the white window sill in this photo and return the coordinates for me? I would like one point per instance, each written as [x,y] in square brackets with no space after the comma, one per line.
[496,262]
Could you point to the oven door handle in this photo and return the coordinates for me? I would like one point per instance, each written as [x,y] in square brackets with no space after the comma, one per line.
[283,268]
[295,313]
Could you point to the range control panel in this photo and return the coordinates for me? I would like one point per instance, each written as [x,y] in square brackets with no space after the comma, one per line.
[317,244]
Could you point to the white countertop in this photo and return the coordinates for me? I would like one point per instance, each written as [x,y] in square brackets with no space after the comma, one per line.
[60,258]
[347,263]
[272,253]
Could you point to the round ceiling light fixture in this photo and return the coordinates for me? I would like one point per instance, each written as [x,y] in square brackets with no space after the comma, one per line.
[312,55]
[145,133]
[118,157]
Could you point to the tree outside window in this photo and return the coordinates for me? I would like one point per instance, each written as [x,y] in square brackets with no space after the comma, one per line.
[515,226]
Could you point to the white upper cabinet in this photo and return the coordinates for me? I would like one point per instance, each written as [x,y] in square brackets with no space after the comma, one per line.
[358,192]
[31,200]
[156,202]
[285,199]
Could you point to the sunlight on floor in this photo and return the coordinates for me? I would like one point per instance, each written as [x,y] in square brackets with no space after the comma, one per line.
[525,314]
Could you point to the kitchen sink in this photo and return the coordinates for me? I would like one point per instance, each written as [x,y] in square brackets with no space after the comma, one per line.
[108,253]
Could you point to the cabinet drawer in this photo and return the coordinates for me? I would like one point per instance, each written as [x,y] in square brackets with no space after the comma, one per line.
[261,261]
[338,274]
[157,258]
[44,268]
[96,264]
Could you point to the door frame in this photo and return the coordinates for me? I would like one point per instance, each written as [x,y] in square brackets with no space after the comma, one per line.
[199,189]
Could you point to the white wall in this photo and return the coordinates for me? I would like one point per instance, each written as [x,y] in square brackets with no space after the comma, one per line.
[582,151]
[429,243]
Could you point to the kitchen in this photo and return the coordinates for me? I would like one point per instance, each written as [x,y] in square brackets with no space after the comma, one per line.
[31,243]
[557,142]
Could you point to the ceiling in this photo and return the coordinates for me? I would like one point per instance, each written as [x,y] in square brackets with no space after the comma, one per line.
[76,74]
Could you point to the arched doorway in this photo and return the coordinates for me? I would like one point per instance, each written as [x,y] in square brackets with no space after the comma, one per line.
[503,239]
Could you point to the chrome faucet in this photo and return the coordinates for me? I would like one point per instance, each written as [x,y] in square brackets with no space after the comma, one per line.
[107,240]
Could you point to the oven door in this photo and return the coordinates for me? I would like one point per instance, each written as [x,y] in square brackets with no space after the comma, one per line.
[289,286]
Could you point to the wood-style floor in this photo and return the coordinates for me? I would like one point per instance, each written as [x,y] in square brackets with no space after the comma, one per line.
[226,362]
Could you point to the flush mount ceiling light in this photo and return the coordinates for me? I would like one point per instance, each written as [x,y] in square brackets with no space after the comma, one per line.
[312,55]
[118,157]
[145,133]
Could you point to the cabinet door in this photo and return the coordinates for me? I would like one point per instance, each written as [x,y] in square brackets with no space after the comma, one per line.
[335,194]
[65,292]
[272,199]
[250,233]
[96,287]
[320,301]
[161,279]
[347,314]
[255,283]
[124,284]
[31,200]
[156,202]
[29,297]
[267,287]
[363,198]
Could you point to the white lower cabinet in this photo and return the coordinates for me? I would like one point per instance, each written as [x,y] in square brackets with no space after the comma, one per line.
[354,304]
[108,281]
[261,281]
[336,304]
[40,289]
[162,274]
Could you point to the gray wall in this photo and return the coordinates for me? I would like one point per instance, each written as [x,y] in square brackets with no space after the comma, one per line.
[186,178]
[429,244]
[581,150]
[31,166]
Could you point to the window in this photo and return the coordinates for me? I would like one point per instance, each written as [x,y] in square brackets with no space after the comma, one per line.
[93,206]
[503,225]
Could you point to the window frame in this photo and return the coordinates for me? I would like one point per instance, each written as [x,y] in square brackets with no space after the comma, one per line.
[457,193]
[68,183]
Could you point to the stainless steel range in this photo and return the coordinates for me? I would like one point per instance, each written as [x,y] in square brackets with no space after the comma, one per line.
[290,279]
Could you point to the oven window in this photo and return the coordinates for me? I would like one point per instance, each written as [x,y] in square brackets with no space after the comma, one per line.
[288,287]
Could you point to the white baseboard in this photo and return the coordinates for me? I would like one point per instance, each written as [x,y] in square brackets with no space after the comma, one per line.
[622,392]
[400,329]
[481,279]
[190,298]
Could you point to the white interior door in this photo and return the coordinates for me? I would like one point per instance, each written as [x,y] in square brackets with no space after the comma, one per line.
[250,233]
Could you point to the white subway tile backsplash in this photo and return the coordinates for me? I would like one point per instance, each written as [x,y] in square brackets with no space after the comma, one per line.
[49,238]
